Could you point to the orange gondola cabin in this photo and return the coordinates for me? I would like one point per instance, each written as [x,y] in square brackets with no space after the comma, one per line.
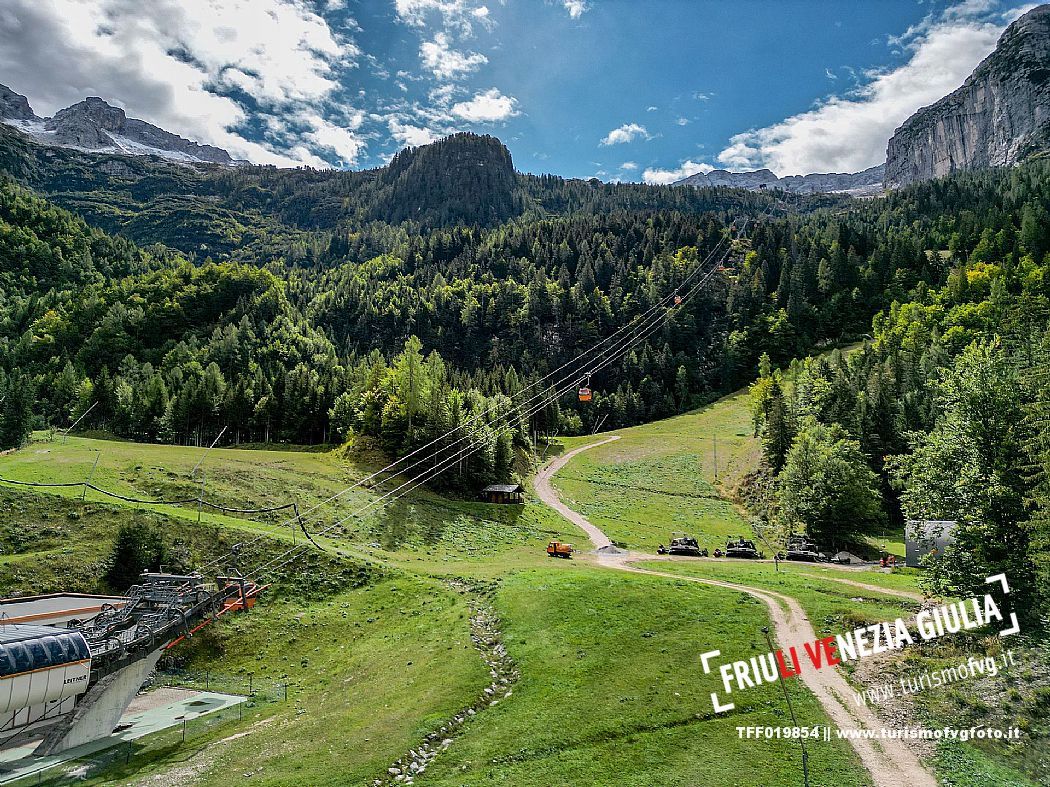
[585,394]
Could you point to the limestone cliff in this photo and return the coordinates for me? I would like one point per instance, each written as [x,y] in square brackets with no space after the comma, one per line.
[1000,114]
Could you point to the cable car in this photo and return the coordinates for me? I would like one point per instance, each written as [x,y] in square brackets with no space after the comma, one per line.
[677,300]
[585,394]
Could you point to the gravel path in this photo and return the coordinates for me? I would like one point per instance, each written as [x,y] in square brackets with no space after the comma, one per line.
[890,763]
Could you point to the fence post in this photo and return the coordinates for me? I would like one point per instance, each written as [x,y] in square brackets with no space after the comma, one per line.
[207,680]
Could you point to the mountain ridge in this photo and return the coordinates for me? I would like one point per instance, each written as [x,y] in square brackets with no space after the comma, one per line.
[868,182]
[95,126]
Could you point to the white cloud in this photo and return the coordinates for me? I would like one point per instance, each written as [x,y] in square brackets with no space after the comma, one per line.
[491,106]
[1013,13]
[628,132]
[178,67]
[629,165]
[830,74]
[457,14]
[576,8]
[444,62]
[849,132]
[408,134]
[661,177]
[682,121]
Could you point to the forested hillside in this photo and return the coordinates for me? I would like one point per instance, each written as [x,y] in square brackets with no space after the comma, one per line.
[304,306]
[943,414]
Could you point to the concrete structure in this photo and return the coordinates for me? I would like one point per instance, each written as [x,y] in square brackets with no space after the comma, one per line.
[98,712]
[926,536]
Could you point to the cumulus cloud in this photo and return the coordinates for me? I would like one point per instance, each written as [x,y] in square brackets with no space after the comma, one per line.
[628,132]
[453,14]
[490,106]
[661,177]
[444,62]
[199,72]
[849,132]
[407,134]
[629,165]
[576,8]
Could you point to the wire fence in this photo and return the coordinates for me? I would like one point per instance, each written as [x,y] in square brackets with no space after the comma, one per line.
[260,689]
[190,733]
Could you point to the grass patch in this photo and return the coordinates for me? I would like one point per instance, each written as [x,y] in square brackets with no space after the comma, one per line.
[665,476]
[371,671]
[832,607]
[611,692]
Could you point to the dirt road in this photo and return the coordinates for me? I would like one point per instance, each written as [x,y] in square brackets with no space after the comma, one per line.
[542,484]
[890,763]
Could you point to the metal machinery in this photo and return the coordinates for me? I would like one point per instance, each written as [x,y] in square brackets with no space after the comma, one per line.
[802,549]
[72,684]
[559,549]
[742,548]
[681,544]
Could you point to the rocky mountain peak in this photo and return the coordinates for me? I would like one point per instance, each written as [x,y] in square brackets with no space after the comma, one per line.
[999,115]
[864,183]
[14,106]
[91,110]
[95,125]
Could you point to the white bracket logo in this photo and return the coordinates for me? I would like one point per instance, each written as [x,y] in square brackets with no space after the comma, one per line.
[715,703]
[1016,627]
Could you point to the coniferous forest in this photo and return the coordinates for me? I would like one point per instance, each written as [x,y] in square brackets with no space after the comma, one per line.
[307,307]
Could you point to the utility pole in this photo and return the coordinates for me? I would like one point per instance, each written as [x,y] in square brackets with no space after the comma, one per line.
[791,710]
[91,475]
[83,415]
[714,441]
[193,472]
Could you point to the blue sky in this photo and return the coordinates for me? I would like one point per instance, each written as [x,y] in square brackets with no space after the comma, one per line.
[653,89]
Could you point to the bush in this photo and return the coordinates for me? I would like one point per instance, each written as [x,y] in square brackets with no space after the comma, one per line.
[139,547]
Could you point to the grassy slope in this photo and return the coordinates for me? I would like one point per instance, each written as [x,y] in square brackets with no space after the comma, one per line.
[599,702]
[371,672]
[669,469]
[351,685]
[832,607]
[373,667]
[422,525]
[611,693]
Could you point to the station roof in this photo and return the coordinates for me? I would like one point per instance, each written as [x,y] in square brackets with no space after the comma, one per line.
[54,608]
[508,488]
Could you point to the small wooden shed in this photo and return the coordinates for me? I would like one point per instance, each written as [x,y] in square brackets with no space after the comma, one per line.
[503,493]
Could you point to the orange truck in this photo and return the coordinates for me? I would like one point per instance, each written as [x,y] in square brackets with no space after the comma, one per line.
[559,549]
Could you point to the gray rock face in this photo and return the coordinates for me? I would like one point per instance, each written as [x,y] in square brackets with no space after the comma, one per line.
[95,125]
[999,115]
[863,183]
[13,106]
